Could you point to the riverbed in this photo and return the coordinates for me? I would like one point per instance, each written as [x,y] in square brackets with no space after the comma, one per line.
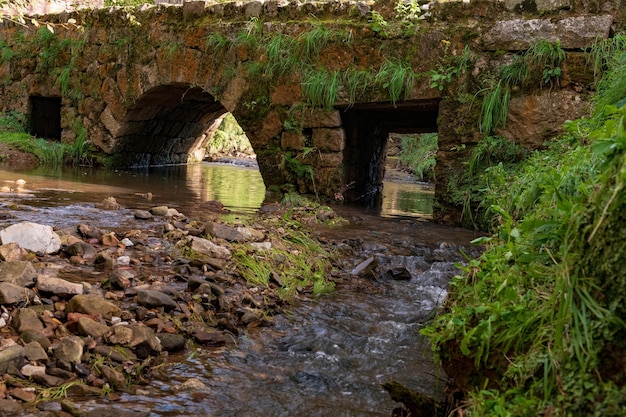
[328,355]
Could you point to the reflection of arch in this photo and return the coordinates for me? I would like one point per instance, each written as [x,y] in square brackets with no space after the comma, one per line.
[169,124]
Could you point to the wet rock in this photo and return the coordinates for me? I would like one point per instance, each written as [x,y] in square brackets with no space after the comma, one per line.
[89,327]
[366,267]
[159,210]
[398,274]
[206,247]
[61,373]
[29,336]
[416,403]
[71,408]
[151,298]
[104,260]
[13,294]
[212,205]
[27,319]
[210,288]
[232,234]
[210,337]
[58,286]
[48,380]
[119,280]
[33,351]
[20,273]
[11,358]
[110,203]
[135,336]
[115,378]
[109,239]
[24,394]
[70,349]
[11,252]
[82,249]
[35,237]
[192,384]
[172,342]
[142,215]
[93,304]
[10,407]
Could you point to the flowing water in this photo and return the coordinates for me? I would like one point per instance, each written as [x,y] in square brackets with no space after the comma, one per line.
[328,356]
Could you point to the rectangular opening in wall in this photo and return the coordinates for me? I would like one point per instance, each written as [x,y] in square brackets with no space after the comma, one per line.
[45,117]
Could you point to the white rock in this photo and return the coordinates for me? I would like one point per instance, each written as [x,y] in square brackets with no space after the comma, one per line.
[35,237]
[30,370]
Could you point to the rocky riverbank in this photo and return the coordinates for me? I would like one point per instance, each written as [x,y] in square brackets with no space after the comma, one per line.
[92,312]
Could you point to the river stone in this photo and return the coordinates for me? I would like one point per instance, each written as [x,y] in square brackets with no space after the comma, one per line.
[366,267]
[48,380]
[135,336]
[104,260]
[93,304]
[27,319]
[150,298]
[11,358]
[13,294]
[70,349]
[82,249]
[89,327]
[29,336]
[35,352]
[10,407]
[30,370]
[206,247]
[172,342]
[142,215]
[11,252]
[398,274]
[20,273]
[231,234]
[35,237]
[109,239]
[115,378]
[58,286]
[192,384]
[159,210]
[119,280]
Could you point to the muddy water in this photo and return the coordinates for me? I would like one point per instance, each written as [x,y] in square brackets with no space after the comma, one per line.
[327,356]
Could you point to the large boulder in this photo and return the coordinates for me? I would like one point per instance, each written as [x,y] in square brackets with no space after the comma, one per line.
[35,237]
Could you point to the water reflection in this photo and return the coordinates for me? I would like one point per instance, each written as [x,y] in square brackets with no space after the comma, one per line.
[407,199]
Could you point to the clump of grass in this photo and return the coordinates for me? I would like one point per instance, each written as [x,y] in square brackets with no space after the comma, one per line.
[301,264]
[398,78]
[320,87]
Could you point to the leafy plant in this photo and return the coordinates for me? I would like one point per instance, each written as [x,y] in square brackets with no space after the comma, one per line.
[445,73]
[378,23]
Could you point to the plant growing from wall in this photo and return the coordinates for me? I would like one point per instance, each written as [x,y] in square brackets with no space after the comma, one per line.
[398,78]
[320,87]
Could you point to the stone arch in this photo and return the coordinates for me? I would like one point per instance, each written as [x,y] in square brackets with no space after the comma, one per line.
[168,124]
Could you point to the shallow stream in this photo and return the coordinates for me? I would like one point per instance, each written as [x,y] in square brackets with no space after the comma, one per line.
[327,356]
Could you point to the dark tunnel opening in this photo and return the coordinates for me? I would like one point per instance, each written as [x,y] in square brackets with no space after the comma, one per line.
[367,129]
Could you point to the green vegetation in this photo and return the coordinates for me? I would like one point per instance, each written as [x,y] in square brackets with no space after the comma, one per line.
[13,132]
[302,264]
[229,139]
[418,153]
[537,324]
[543,57]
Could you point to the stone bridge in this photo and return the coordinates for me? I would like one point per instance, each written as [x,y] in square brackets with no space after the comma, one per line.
[317,87]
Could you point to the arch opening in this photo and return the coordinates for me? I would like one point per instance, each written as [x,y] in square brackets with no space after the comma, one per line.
[169,124]
[367,130]
[45,117]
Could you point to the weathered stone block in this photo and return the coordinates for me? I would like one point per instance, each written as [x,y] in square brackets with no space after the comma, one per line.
[292,140]
[311,118]
[572,32]
[329,139]
[330,159]
[191,8]
[109,122]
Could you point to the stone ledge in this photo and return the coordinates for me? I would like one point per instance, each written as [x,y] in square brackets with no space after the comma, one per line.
[573,32]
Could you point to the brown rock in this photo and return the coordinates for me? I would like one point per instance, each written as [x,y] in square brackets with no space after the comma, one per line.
[93,304]
[20,273]
[27,319]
